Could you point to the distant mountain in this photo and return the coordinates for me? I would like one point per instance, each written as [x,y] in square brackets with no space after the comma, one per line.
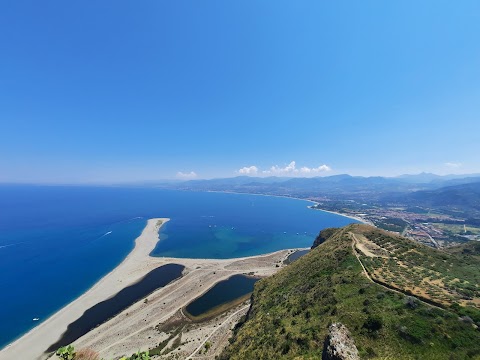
[236,181]
[339,187]
[424,178]
[463,196]
[421,178]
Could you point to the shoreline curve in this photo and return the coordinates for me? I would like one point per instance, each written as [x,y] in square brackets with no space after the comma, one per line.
[33,344]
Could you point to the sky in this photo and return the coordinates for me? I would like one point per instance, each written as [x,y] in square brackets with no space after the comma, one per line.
[114,91]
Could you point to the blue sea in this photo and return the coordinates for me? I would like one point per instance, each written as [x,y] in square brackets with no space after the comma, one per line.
[57,241]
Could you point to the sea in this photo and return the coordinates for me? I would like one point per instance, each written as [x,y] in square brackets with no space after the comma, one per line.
[57,241]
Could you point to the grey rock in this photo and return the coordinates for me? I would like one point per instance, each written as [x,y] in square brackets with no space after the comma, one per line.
[339,344]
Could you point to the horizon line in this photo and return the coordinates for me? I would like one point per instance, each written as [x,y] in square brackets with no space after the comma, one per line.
[173,180]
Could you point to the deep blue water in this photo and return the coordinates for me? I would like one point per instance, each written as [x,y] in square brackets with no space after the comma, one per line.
[54,243]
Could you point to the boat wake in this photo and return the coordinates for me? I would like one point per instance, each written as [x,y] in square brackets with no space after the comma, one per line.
[8,245]
[101,236]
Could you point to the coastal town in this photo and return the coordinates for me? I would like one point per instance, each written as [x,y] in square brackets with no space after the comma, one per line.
[427,226]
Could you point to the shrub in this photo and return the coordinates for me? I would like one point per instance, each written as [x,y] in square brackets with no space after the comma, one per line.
[140,355]
[66,352]
[373,323]
[414,330]
[411,302]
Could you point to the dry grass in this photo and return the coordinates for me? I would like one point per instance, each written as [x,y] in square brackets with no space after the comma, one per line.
[87,354]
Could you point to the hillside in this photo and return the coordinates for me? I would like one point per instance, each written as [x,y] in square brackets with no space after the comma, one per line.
[291,310]
[438,277]
[457,197]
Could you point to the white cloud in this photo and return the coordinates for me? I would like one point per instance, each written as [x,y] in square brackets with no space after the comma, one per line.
[188,175]
[248,170]
[320,169]
[289,169]
[292,170]
[453,165]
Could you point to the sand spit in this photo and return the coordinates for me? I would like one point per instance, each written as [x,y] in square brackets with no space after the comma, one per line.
[140,326]
[134,267]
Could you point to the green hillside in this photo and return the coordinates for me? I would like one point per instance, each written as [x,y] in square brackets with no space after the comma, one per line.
[440,277]
[291,310]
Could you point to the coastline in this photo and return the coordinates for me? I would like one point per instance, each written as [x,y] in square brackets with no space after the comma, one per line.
[134,267]
[198,276]
[270,195]
[33,344]
[363,221]
[115,338]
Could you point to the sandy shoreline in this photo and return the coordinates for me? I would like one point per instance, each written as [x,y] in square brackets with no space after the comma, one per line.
[131,269]
[115,337]
[363,221]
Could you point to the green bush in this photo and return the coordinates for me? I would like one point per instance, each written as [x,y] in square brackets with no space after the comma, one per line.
[140,355]
[373,323]
[66,352]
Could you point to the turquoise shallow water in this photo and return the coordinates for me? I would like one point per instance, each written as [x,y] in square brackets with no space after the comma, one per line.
[56,242]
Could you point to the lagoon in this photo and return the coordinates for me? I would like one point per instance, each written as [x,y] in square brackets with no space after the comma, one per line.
[101,312]
[223,292]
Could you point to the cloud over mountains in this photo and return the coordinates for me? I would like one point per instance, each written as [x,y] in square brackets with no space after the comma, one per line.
[248,170]
[288,170]
[187,175]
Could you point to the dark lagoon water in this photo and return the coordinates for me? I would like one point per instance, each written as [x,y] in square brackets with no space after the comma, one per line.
[223,292]
[57,241]
[104,310]
[295,256]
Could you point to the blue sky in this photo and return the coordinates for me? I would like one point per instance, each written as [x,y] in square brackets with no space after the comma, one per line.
[139,90]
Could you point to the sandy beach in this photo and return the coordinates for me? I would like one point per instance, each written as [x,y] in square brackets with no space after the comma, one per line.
[137,326]
[35,342]
[357,218]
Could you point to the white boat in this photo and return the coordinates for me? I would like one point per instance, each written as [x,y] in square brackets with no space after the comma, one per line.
[35,319]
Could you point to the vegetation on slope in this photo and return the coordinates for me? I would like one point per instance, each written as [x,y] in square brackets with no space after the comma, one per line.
[444,278]
[291,312]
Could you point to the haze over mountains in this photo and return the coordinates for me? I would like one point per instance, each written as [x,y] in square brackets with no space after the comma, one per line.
[457,196]
[428,179]
[331,185]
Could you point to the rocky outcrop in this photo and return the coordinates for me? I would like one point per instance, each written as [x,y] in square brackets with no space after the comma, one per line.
[339,344]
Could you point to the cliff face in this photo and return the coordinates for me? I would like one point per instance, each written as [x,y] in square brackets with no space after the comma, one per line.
[339,344]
